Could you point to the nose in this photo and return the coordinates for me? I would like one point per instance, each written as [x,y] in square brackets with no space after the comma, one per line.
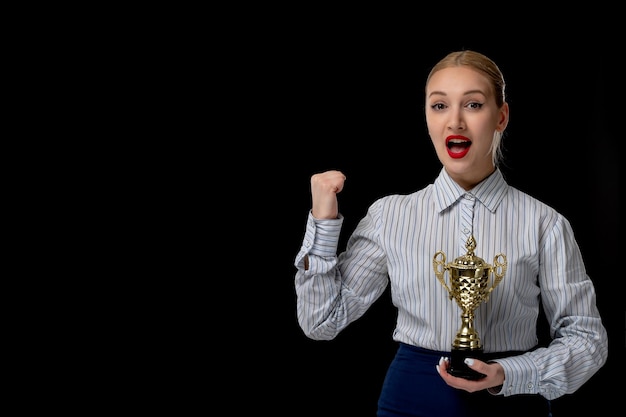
[456,121]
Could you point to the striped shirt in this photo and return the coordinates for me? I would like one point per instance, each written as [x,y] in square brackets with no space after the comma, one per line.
[395,244]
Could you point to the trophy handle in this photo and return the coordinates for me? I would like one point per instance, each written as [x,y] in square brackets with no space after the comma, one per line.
[439,265]
[499,268]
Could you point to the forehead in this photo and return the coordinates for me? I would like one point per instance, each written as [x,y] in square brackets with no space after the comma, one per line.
[458,80]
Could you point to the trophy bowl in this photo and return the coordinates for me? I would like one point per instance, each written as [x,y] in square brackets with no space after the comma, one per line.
[471,282]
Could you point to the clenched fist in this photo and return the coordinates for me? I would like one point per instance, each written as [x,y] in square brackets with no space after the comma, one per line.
[324,189]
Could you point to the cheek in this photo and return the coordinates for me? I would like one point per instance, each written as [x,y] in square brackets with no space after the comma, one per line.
[435,137]
[435,122]
[431,125]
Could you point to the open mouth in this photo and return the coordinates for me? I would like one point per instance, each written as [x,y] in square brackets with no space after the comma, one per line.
[458,147]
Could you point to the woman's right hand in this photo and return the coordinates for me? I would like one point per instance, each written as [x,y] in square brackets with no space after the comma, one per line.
[324,189]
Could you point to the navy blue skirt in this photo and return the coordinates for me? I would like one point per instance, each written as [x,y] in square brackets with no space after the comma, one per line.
[413,388]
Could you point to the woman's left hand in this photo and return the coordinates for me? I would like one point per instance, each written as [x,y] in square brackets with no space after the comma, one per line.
[493,371]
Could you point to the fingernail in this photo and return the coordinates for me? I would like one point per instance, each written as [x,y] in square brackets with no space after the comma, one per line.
[441,361]
[469,361]
[437,368]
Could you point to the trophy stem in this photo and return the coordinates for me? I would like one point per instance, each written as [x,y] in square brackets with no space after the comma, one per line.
[467,337]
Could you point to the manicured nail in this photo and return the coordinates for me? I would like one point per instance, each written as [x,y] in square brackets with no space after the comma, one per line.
[441,360]
[437,368]
[469,361]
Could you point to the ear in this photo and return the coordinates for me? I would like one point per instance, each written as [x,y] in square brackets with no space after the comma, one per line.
[503,117]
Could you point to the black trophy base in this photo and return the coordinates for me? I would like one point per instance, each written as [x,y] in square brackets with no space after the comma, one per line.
[458,367]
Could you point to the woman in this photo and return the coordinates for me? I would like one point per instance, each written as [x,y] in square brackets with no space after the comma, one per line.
[396,242]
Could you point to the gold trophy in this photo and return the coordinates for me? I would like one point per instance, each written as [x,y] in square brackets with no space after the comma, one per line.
[470,286]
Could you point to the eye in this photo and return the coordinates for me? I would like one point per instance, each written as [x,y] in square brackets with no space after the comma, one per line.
[438,106]
[474,105]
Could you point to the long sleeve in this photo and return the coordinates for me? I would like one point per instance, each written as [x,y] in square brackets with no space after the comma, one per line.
[330,297]
[580,345]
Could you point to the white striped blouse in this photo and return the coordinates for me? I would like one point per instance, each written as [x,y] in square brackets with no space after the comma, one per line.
[395,243]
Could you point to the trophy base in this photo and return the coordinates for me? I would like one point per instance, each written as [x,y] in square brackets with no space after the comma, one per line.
[458,367]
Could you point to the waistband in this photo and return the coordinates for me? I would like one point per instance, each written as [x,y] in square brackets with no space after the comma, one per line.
[437,354]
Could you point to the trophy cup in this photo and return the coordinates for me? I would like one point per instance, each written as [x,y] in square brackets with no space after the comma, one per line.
[470,286]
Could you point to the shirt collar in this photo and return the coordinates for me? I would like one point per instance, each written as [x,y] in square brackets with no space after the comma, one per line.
[489,192]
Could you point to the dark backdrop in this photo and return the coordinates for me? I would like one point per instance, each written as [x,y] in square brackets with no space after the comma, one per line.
[356,104]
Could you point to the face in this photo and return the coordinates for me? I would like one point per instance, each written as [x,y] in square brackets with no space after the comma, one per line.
[462,117]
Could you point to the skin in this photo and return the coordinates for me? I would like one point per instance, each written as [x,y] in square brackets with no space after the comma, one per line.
[460,106]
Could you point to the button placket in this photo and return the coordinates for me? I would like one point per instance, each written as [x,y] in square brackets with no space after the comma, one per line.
[467,216]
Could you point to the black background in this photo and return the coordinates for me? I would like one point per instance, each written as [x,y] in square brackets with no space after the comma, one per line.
[354,102]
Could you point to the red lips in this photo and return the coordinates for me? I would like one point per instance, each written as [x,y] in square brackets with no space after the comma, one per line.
[457,146]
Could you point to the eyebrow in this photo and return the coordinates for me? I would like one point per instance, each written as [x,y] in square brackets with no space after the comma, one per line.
[441,93]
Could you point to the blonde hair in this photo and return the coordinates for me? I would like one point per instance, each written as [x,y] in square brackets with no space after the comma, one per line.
[486,66]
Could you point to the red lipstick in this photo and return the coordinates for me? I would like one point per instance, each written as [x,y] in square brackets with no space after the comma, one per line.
[457,146]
